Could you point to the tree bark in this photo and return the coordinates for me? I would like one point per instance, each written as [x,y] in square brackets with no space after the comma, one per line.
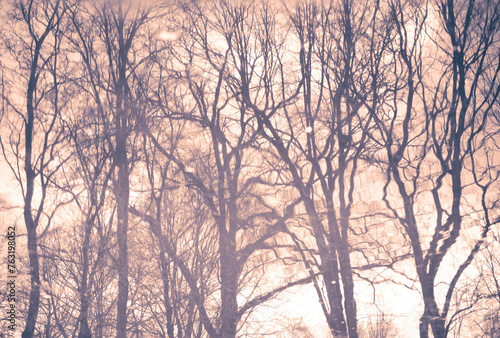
[122,189]
[31,225]
[229,281]
[84,296]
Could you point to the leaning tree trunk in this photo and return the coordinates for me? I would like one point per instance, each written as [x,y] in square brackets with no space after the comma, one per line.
[31,224]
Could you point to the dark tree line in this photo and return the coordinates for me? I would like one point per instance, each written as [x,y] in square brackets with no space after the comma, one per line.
[182,164]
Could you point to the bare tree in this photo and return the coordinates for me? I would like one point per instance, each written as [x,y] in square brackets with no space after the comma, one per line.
[437,135]
[35,136]
[223,170]
[318,122]
[182,238]
[113,30]
[94,168]
[240,137]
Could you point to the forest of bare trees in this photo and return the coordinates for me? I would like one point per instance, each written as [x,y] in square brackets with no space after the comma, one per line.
[191,168]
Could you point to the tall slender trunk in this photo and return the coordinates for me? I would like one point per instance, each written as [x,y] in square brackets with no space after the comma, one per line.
[166,288]
[31,224]
[122,190]
[99,308]
[84,294]
[344,259]
[122,198]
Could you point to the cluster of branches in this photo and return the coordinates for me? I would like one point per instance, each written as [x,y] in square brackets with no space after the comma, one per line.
[181,164]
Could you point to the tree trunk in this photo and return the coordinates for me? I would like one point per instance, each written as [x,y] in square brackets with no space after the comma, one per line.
[31,225]
[344,259]
[330,269]
[166,289]
[84,294]
[122,198]
[122,189]
[229,283]
[34,303]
